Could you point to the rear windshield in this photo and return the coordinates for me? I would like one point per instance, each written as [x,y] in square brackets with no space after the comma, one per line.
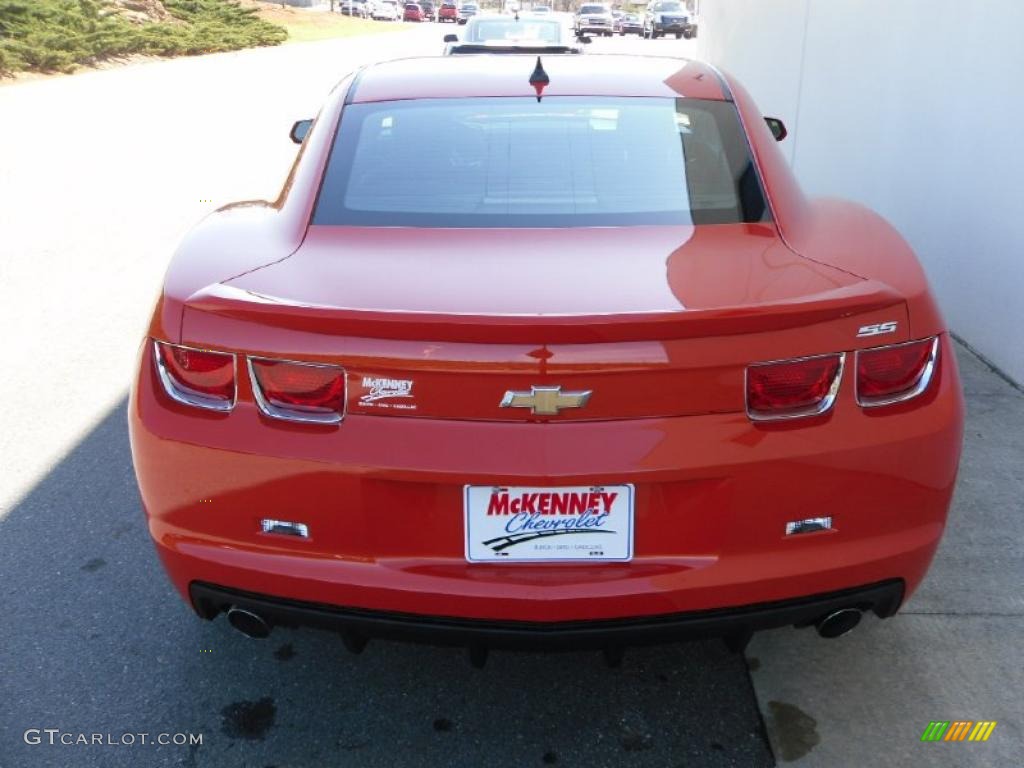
[565,161]
[510,29]
[593,9]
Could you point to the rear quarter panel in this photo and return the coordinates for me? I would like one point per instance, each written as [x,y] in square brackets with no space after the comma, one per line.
[839,233]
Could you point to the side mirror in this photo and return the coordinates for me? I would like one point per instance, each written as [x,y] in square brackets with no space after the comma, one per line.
[777,127]
[451,38]
[300,129]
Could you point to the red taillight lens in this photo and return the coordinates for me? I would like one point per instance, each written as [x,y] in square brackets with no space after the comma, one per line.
[197,376]
[892,374]
[793,388]
[299,391]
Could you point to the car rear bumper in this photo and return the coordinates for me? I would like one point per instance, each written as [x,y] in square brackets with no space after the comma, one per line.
[737,623]
[672,26]
[382,497]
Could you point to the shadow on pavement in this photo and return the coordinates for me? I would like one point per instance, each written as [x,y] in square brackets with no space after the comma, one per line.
[94,641]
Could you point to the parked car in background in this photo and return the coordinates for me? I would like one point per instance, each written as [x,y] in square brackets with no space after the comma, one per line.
[412,12]
[468,11]
[540,10]
[668,17]
[494,33]
[594,18]
[357,8]
[385,10]
[629,24]
[448,12]
[428,9]
[665,393]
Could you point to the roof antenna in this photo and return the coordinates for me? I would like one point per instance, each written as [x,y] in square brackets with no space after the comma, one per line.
[539,79]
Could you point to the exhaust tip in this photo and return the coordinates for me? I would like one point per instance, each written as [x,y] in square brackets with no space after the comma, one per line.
[838,623]
[248,623]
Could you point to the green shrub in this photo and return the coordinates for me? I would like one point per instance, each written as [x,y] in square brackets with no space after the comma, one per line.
[58,35]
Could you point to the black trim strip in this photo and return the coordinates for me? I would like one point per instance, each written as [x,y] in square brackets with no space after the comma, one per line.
[350,94]
[882,598]
[726,90]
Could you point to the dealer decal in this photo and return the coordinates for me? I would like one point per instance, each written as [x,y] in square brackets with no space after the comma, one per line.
[379,389]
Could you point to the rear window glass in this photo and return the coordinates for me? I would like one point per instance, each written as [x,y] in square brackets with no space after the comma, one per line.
[502,29]
[514,162]
[593,9]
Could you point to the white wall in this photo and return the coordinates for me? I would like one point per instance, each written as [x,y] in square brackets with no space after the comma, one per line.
[916,108]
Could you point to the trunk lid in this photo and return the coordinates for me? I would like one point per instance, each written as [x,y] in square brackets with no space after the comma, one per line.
[653,321]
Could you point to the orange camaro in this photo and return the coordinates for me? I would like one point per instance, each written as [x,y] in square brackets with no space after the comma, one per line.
[592,371]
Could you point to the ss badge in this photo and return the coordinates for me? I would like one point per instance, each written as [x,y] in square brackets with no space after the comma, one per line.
[877,329]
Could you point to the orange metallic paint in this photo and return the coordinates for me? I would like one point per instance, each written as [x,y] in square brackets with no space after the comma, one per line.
[663,322]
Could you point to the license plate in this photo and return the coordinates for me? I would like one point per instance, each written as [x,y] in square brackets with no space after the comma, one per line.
[527,524]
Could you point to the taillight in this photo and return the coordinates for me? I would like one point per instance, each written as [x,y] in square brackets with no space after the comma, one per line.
[793,388]
[196,377]
[887,375]
[298,391]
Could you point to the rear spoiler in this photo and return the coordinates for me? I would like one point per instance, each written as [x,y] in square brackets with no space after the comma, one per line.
[236,303]
[537,49]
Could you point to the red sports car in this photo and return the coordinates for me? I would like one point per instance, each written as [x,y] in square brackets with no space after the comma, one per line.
[594,373]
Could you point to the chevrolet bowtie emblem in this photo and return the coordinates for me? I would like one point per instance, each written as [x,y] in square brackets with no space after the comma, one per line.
[545,401]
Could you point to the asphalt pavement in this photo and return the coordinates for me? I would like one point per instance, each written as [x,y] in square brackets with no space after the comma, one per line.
[100,175]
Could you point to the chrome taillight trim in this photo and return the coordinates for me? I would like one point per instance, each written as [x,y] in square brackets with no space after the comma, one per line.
[922,383]
[194,399]
[285,414]
[802,413]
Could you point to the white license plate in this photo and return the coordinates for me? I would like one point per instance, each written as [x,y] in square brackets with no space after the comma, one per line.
[525,524]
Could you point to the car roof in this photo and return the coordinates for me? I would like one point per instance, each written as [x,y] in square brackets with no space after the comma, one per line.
[433,77]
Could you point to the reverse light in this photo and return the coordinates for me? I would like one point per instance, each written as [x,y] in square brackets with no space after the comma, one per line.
[793,388]
[294,391]
[887,375]
[196,377]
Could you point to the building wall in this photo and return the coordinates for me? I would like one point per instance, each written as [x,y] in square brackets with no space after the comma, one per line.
[913,107]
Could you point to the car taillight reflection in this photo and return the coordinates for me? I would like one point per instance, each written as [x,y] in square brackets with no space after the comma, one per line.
[887,375]
[196,377]
[311,392]
[793,388]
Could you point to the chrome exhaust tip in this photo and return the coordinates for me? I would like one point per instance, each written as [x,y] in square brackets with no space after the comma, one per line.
[248,623]
[838,623]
